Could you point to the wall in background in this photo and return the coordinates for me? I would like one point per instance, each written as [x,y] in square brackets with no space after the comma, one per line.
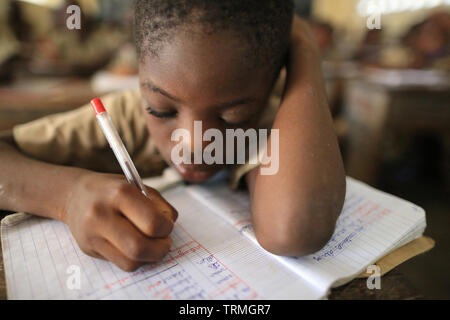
[343,15]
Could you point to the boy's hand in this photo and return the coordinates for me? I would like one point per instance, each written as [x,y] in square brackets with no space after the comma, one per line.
[113,220]
[302,35]
[304,64]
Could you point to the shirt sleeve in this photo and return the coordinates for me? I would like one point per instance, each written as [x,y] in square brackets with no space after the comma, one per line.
[74,138]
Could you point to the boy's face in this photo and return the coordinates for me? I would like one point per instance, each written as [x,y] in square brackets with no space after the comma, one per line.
[198,77]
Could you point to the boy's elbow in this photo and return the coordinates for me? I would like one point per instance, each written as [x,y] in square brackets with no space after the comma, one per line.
[295,237]
[300,225]
[299,245]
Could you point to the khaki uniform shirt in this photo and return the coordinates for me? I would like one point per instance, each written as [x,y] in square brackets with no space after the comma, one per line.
[74,138]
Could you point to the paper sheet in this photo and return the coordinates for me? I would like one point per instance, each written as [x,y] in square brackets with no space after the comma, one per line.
[215,254]
[209,259]
[371,225]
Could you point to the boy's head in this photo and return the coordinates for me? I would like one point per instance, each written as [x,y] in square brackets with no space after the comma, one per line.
[213,61]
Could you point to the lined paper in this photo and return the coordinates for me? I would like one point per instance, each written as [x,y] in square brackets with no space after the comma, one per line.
[215,254]
[371,224]
[209,259]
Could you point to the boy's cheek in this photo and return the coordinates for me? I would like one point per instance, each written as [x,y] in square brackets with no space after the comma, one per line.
[165,145]
[161,137]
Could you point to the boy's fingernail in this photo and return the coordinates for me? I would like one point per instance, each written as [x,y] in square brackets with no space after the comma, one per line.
[169,215]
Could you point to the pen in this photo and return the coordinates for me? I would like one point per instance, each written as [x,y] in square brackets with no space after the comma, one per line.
[117,145]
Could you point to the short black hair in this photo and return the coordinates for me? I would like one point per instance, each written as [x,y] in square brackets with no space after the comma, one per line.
[264,24]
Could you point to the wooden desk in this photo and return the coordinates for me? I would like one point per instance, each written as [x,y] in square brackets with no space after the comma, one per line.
[394,285]
[34,97]
[381,114]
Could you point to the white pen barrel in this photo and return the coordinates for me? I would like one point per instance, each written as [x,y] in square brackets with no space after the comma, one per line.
[121,153]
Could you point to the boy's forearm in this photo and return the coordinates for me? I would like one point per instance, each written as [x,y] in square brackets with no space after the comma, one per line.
[28,185]
[295,210]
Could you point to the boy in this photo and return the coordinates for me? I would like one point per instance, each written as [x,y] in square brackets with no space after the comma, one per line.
[202,60]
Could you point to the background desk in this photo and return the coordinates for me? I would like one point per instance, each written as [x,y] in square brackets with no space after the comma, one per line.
[380,114]
[35,97]
[394,285]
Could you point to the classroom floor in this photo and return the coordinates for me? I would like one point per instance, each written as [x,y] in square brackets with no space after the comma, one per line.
[419,178]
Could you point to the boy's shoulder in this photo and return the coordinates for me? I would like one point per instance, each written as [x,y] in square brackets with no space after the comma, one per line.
[126,100]
[74,137]
[122,106]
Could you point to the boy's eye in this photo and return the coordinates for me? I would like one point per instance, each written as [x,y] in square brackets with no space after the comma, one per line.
[165,114]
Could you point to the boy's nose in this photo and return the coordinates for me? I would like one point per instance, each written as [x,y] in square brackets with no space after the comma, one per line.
[196,130]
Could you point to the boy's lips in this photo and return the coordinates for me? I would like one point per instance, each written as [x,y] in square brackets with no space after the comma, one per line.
[194,174]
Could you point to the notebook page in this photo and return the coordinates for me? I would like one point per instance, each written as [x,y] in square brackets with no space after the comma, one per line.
[372,223]
[208,260]
[169,179]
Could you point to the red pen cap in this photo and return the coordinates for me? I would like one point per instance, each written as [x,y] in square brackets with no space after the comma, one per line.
[97,105]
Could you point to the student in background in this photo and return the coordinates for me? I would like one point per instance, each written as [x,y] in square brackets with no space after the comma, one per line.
[369,50]
[13,31]
[76,51]
[323,32]
[211,61]
[430,41]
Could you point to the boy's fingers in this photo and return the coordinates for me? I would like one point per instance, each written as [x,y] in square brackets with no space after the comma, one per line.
[165,207]
[108,252]
[146,214]
[123,235]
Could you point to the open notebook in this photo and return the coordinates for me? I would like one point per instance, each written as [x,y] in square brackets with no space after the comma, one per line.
[214,255]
